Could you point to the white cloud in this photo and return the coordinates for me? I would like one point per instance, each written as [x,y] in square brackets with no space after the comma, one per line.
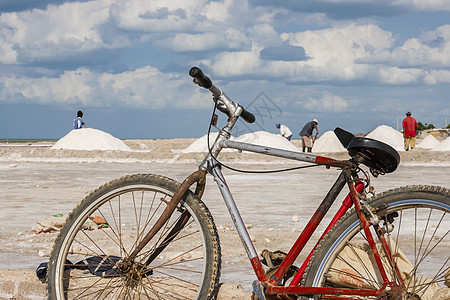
[337,49]
[437,76]
[159,15]
[333,53]
[392,75]
[347,53]
[74,28]
[71,86]
[230,39]
[442,32]
[145,87]
[237,63]
[233,32]
[431,50]
[7,53]
[32,35]
[327,103]
[217,11]
[264,34]
[425,5]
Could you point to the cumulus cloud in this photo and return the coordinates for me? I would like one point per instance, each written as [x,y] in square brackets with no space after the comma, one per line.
[145,87]
[346,53]
[186,42]
[420,5]
[328,102]
[70,28]
[352,9]
[430,51]
[61,32]
[264,34]
[334,51]
[400,76]
[217,11]
[169,16]
[437,76]
[332,55]
[234,38]
[236,63]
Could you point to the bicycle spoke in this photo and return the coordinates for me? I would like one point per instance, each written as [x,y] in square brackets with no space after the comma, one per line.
[172,265]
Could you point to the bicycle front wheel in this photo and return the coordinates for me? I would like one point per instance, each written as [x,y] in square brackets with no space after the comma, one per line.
[182,261]
[417,222]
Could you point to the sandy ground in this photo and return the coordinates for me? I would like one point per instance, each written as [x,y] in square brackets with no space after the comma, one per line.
[37,182]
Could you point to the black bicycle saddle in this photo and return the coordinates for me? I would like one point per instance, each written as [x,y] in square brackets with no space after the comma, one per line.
[378,156]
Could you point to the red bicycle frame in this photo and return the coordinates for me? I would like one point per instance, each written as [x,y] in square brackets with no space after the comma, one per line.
[347,176]
[272,284]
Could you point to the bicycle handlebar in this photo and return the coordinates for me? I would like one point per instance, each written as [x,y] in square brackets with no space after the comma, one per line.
[205,82]
[248,116]
[200,78]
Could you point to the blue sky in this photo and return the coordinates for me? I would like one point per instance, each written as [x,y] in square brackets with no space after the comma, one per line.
[355,64]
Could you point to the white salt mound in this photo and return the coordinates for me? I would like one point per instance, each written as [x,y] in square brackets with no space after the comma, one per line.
[429,142]
[328,142]
[388,135]
[262,138]
[444,145]
[90,139]
[201,144]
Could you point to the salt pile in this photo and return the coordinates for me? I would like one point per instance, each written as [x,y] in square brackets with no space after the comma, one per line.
[328,142]
[388,135]
[90,139]
[262,138]
[267,139]
[444,146]
[201,144]
[429,142]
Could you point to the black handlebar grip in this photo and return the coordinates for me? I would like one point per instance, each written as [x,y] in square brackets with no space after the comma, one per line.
[200,78]
[248,116]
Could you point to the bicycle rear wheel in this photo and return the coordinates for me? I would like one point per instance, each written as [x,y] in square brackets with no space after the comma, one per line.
[182,261]
[418,218]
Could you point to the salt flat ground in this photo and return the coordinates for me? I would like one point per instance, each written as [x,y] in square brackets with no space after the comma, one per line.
[37,182]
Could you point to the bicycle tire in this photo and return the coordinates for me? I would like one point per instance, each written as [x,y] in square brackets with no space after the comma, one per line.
[186,265]
[419,240]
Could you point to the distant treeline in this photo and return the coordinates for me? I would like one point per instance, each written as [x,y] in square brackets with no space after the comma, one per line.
[426,126]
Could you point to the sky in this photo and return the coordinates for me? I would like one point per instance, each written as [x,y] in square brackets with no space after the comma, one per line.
[354,64]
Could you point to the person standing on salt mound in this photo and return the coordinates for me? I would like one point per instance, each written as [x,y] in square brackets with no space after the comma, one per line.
[78,121]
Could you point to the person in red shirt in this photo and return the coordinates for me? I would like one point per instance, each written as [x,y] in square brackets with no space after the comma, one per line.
[409,131]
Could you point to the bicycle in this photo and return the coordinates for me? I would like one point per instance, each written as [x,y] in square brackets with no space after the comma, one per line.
[148,236]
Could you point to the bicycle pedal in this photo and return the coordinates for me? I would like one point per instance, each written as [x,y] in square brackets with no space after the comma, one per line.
[258,290]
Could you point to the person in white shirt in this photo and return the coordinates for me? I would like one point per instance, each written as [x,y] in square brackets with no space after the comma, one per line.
[78,121]
[284,131]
